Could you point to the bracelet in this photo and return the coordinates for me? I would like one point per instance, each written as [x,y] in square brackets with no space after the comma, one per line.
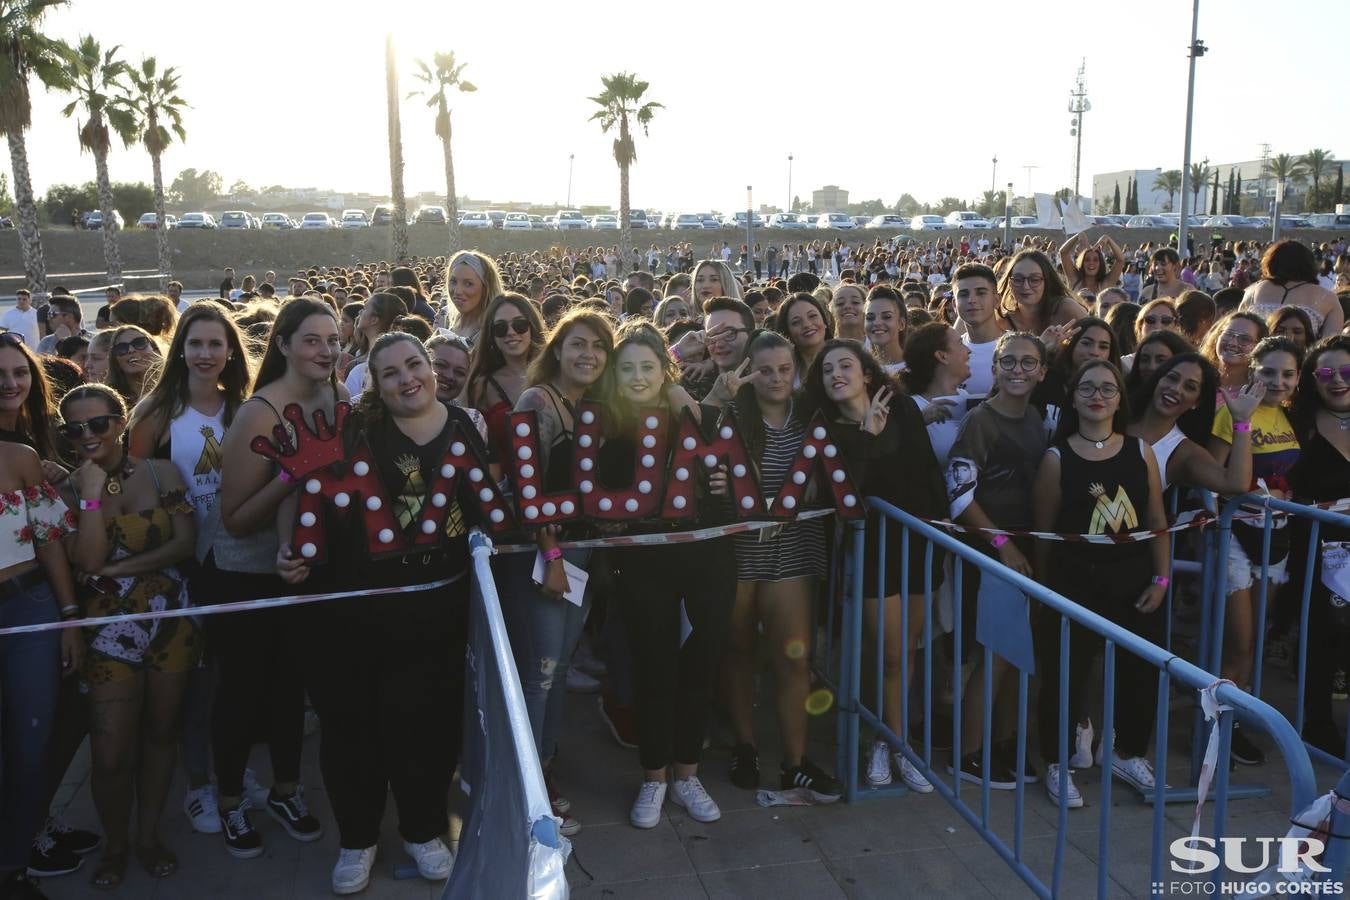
[551,554]
[676,354]
[999,540]
[285,477]
[91,504]
[1242,426]
[1162,581]
[69,608]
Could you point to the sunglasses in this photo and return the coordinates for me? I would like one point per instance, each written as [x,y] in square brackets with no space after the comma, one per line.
[1159,320]
[1326,373]
[122,348]
[96,426]
[11,338]
[502,326]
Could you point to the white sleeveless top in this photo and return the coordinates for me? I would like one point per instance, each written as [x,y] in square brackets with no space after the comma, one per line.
[194,447]
[1162,451]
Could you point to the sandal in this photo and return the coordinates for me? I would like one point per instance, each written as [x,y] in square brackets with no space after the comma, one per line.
[158,860]
[111,869]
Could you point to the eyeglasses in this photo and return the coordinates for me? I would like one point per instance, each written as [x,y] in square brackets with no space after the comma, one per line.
[1159,320]
[728,334]
[1232,337]
[1028,280]
[1326,373]
[1087,389]
[11,338]
[122,348]
[501,326]
[96,426]
[1012,363]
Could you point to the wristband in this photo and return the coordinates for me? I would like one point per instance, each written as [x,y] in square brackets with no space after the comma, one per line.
[285,477]
[91,504]
[68,609]
[552,553]
[1162,581]
[1242,426]
[999,540]
[676,354]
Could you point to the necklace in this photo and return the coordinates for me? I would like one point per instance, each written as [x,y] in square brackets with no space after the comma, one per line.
[122,470]
[1099,443]
[1343,420]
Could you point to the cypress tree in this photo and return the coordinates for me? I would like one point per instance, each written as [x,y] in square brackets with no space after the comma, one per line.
[1237,196]
[1228,197]
[1339,197]
[1214,196]
[1115,201]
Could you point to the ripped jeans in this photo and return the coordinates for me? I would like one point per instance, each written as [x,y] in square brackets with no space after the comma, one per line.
[543,634]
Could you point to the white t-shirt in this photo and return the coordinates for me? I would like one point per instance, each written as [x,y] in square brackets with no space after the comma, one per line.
[356,380]
[183,304]
[943,434]
[981,380]
[24,321]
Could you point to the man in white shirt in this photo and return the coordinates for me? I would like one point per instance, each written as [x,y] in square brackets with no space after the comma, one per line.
[174,291]
[976,289]
[22,318]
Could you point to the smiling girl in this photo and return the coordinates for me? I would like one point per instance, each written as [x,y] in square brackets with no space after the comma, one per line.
[133,357]
[472,281]
[804,320]
[886,325]
[846,304]
[499,365]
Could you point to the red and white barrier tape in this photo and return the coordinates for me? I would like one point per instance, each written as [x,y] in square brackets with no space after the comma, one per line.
[665,537]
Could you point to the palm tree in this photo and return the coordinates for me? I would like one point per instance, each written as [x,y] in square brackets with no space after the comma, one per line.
[620,103]
[1316,162]
[96,81]
[1168,182]
[24,50]
[1199,175]
[1286,168]
[154,107]
[399,225]
[447,74]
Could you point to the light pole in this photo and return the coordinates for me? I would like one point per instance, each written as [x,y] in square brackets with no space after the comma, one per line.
[993,176]
[571,157]
[1007,219]
[789,208]
[749,224]
[1078,106]
[1197,49]
[1275,213]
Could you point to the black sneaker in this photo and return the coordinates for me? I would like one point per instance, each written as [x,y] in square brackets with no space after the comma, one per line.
[241,840]
[20,886]
[745,767]
[48,859]
[76,840]
[1244,751]
[807,774]
[1338,691]
[1006,752]
[294,816]
[1001,778]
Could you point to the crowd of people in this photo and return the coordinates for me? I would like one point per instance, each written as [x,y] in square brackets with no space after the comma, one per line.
[1006,389]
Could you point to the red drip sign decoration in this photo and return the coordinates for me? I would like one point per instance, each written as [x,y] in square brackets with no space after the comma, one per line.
[819,453]
[642,498]
[535,506]
[692,451]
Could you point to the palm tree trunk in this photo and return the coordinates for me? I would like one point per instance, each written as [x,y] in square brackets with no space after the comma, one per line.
[451,198]
[400,223]
[112,257]
[161,229]
[625,221]
[30,239]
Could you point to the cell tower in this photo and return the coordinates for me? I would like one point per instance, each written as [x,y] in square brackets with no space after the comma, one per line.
[1077,106]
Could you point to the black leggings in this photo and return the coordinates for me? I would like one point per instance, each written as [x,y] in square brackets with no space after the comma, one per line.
[672,683]
[1109,588]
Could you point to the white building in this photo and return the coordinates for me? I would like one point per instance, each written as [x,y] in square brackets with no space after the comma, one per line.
[1258,188]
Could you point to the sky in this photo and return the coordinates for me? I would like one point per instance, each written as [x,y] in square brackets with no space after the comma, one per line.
[880,98]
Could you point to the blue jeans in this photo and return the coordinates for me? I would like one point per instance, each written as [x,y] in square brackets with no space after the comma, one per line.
[543,634]
[30,674]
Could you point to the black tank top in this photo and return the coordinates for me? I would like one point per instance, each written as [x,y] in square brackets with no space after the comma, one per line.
[1103,497]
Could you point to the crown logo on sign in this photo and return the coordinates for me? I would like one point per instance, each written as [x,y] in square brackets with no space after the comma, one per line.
[1096,489]
[313,448]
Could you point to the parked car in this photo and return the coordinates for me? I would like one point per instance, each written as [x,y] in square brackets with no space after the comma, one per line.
[538,223]
[737,220]
[234,219]
[497,217]
[1026,222]
[637,218]
[354,218]
[886,221]
[570,220]
[687,221]
[197,220]
[431,215]
[604,222]
[475,219]
[861,221]
[316,221]
[1334,221]
[834,220]
[279,221]
[383,214]
[95,221]
[1148,222]
[965,218]
[786,220]
[927,223]
[516,221]
[150,222]
[1229,221]
[711,221]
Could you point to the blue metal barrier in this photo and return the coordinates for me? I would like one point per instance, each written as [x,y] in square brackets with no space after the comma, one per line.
[855,711]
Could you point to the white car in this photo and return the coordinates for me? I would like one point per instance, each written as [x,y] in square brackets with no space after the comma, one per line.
[197,220]
[148,220]
[316,221]
[475,219]
[516,221]
[966,219]
[538,223]
[234,219]
[835,220]
[279,221]
[604,223]
[887,221]
[355,218]
[688,222]
[927,223]
[786,220]
[1149,222]
[570,220]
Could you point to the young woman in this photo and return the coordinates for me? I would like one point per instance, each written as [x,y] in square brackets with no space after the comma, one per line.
[1289,277]
[35,587]
[255,652]
[378,315]
[989,479]
[1154,316]
[205,380]
[846,305]
[776,577]
[388,677]
[671,678]
[499,364]
[133,357]
[713,278]
[1088,339]
[881,435]
[1095,479]
[671,310]
[135,526]
[97,362]
[1089,269]
[1034,296]
[1154,350]
[1294,323]
[939,363]
[544,627]
[1321,419]
[472,281]
[806,322]
[450,359]
[1228,346]
[886,324]
[1275,448]
[1107,299]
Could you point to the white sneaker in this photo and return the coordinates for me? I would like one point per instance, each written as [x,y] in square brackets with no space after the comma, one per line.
[433,859]
[578,682]
[1102,758]
[1073,800]
[646,812]
[255,791]
[1082,746]
[910,774]
[690,793]
[1135,771]
[352,872]
[199,805]
[879,764]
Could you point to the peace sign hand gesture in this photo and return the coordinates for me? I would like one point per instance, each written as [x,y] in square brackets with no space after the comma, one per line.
[874,422]
[729,383]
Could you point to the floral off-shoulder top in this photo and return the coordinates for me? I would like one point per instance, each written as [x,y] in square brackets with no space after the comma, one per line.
[29,519]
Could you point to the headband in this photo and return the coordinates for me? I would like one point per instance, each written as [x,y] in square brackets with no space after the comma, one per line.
[473,262]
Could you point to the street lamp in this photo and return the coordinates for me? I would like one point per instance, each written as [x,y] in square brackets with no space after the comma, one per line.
[571,158]
[1275,215]
[749,223]
[1197,49]
[789,208]
[1007,219]
[993,176]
